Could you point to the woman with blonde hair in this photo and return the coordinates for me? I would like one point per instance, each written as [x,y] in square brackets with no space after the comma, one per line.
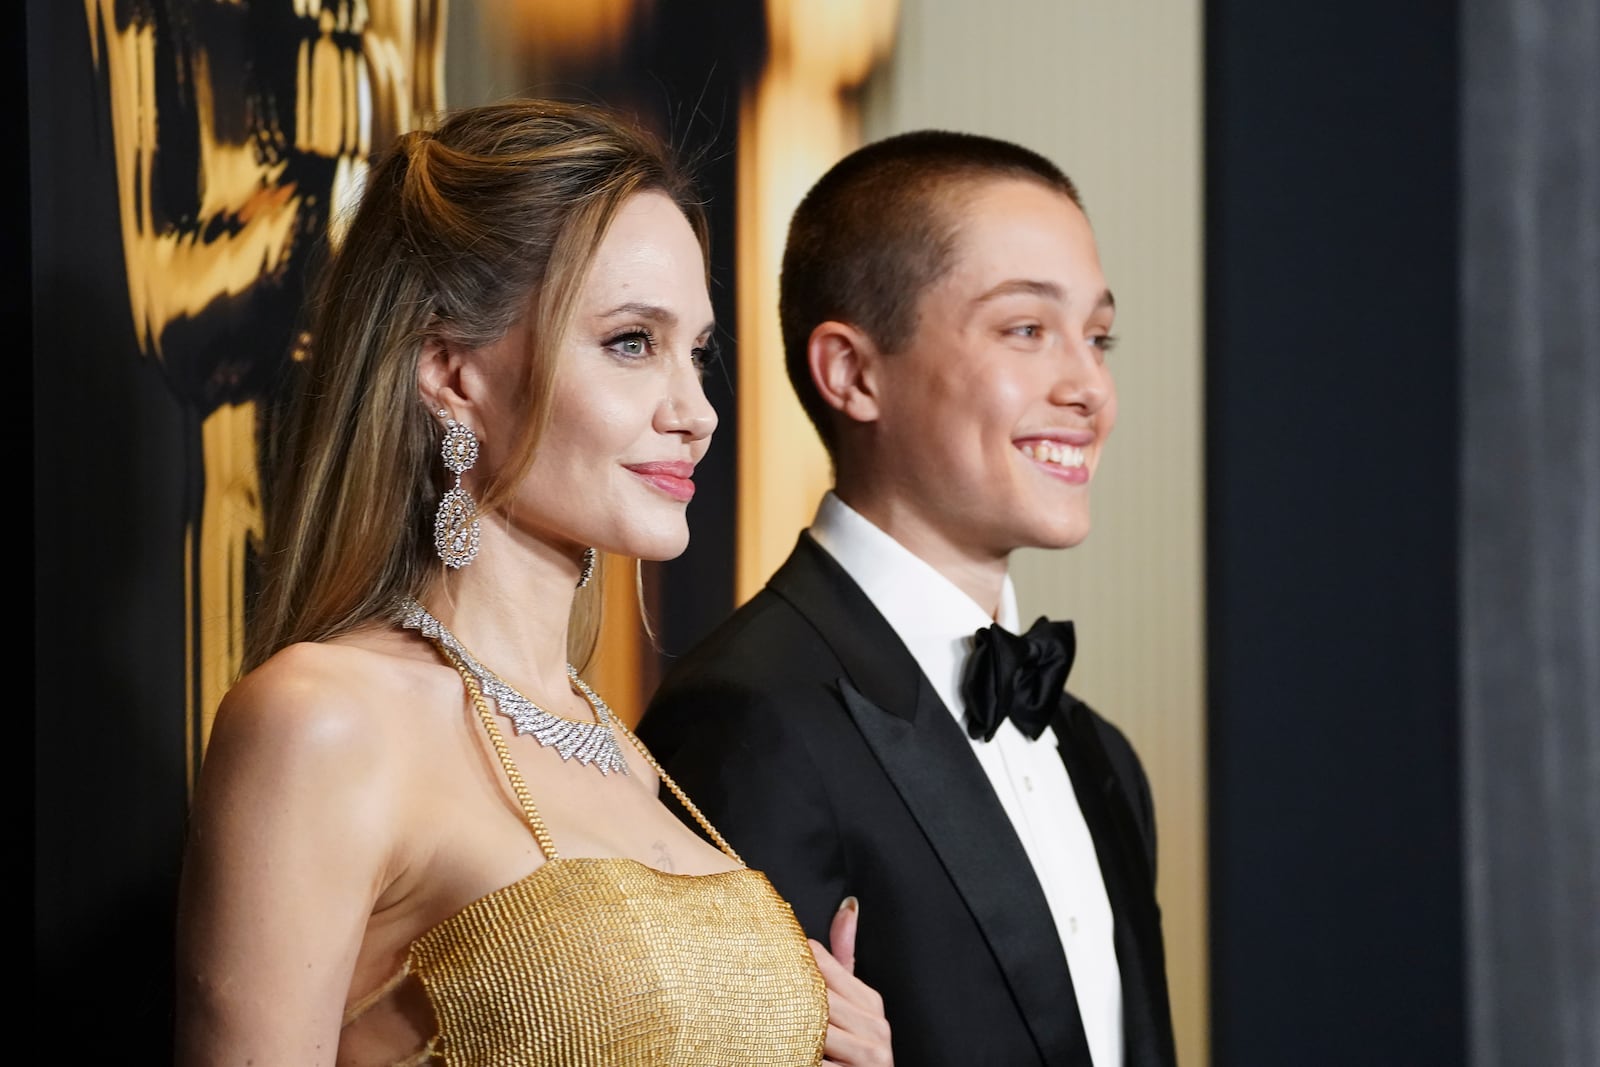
[418,835]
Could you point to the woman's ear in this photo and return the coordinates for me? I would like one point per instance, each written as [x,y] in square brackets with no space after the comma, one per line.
[844,368]
[439,376]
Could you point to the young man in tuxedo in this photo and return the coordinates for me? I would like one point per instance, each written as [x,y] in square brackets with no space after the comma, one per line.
[875,725]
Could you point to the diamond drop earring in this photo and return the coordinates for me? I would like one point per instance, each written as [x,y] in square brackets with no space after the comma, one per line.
[588,568]
[455,527]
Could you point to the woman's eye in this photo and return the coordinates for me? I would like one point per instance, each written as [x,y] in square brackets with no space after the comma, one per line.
[1029,330]
[705,355]
[632,345]
[1105,342]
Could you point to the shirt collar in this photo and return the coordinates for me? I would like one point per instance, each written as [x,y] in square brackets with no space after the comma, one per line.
[927,611]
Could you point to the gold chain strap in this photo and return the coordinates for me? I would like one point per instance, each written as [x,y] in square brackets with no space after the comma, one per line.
[683,798]
[518,785]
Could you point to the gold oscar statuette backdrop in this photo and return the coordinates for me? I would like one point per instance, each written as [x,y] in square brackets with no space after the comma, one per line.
[238,132]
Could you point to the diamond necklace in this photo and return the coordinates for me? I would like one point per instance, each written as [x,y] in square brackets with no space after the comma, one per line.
[587,742]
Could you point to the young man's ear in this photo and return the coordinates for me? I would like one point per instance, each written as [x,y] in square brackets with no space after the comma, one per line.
[844,368]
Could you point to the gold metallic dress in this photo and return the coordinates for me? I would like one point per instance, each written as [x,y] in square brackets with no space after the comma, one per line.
[599,961]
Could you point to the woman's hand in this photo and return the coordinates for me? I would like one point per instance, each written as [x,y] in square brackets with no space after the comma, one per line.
[858,1033]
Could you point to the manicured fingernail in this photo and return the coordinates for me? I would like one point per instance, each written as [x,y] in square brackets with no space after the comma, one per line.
[849,904]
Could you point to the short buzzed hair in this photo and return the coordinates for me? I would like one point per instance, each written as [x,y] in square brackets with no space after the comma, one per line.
[877,231]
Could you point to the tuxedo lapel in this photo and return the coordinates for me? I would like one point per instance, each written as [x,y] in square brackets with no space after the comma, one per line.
[946,791]
[931,765]
[1125,868]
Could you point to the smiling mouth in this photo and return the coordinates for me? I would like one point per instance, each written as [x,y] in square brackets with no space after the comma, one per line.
[1068,457]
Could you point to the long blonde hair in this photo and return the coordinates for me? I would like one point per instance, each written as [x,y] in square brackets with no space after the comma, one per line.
[459,231]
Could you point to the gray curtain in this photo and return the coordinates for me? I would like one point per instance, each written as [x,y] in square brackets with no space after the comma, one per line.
[1530,548]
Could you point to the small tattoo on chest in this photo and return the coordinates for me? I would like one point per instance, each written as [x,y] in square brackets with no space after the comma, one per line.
[663,857]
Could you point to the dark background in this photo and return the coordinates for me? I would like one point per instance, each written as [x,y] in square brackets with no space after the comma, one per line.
[1332,441]
[110,495]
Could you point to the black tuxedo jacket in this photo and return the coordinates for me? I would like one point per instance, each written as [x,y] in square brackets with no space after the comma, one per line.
[806,733]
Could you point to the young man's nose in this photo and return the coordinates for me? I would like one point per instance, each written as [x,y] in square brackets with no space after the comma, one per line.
[1082,379]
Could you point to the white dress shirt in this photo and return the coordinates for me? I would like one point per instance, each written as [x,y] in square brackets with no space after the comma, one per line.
[936,621]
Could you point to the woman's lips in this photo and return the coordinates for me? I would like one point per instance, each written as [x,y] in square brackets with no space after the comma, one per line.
[674,478]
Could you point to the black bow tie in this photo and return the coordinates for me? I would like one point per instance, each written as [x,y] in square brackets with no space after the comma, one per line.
[1017,675]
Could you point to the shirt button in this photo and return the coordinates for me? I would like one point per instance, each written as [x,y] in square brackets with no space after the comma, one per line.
[1027,783]
[1072,923]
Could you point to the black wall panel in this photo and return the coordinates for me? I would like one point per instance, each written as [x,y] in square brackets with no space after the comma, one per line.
[1332,417]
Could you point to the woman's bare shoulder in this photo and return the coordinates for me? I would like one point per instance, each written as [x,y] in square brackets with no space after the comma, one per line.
[340,705]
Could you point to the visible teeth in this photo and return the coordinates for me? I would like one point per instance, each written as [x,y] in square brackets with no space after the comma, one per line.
[1049,452]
